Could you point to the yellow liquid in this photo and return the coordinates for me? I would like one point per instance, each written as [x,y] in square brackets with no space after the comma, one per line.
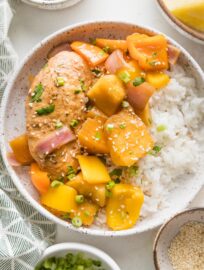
[190,12]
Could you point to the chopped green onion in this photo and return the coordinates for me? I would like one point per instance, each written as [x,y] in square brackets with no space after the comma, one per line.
[106,49]
[80,267]
[56,183]
[97,72]
[76,222]
[153,63]
[115,172]
[59,81]
[83,86]
[74,123]
[156,149]
[79,199]
[109,127]
[161,128]
[35,97]
[125,104]
[46,110]
[138,80]
[58,124]
[87,213]
[133,171]
[124,76]
[122,126]
[77,91]
[154,54]
[110,185]
[97,136]
[70,172]
[66,216]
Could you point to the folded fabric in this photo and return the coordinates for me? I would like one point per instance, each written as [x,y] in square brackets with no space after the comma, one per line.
[24,233]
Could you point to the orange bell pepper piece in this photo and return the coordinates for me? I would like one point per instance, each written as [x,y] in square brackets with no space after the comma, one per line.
[149,51]
[112,44]
[21,150]
[92,54]
[39,178]
[124,206]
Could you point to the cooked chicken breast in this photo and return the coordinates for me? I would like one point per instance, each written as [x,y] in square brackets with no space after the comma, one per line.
[60,84]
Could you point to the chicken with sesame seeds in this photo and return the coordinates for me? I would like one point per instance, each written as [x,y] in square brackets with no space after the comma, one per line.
[52,104]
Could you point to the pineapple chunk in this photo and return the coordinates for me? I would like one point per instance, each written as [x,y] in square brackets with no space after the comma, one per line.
[124,206]
[91,136]
[86,212]
[93,170]
[107,93]
[157,79]
[97,193]
[128,138]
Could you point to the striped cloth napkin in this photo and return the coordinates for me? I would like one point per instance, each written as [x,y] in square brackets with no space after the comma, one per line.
[24,233]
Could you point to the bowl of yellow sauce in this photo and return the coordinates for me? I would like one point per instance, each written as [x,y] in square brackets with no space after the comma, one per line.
[186,16]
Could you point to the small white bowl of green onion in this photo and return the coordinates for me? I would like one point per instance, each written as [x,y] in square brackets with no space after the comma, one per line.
[75,256]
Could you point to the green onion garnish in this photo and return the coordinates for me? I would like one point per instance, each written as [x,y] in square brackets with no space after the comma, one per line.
[124,76]
[76,222]
[133,171]
[109,127]
[70,172]
[106,49]
[56,183]
[122,126]
[74,123]
[138,80]
[37,93]
[46,110]
[110,185]
[59,81]
[58,124]
[161,128]
[116,172]
[79,199]
[156,149]
[97,136]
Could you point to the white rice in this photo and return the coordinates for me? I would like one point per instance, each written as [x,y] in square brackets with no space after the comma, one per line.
[181,111]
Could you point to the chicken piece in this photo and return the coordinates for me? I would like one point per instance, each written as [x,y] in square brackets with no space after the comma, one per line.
[56,99]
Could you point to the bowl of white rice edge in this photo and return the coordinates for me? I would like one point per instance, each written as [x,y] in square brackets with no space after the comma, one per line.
[169,180]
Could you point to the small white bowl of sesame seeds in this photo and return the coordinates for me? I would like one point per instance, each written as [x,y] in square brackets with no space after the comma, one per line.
[179,244]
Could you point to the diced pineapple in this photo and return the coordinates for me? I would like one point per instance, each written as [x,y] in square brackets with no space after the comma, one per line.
[95,192]
[93,170]
[128,138]
[124,206]
[92,137]
[157,79]
[107,93]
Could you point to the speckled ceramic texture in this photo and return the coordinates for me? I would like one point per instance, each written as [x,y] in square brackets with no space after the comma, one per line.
[182,28]
[51,4]
[13,120]
[168,231]
[62,249]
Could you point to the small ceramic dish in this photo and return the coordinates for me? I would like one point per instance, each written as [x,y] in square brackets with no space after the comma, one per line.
[89,252]
[168,231]
[187,31]
[51,4]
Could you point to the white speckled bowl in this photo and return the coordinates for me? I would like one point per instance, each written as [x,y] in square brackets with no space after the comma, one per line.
[51,4]
[62,249]
[168,231]
[13,121]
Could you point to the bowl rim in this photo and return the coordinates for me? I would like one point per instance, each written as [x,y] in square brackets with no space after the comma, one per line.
[15,179]
[163,227]
[80,247]
[183,28]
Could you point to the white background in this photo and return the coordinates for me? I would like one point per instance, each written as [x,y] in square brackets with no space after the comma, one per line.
[30,25]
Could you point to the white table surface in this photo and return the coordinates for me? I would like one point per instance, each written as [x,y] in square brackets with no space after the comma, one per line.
[31,25]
